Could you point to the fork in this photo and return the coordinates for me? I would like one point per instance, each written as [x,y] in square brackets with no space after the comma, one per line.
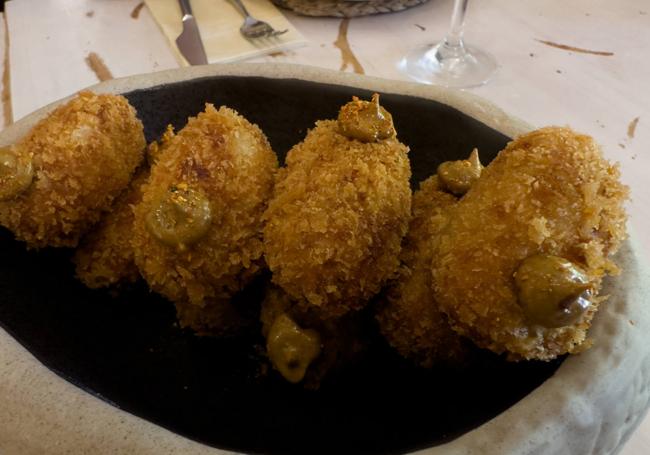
[254,28]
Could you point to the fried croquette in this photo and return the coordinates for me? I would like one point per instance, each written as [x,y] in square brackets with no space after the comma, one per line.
[339,211]
[197,233]
[538,227]
[105,256]
[156,148]
[301,346]
[58,180]
[409,318]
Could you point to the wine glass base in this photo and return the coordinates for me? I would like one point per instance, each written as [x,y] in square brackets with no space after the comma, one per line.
[428,64]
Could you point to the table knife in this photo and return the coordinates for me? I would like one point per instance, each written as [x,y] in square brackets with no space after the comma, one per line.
[189,41]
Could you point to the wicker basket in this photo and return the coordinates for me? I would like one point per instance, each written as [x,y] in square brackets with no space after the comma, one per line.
[346,8]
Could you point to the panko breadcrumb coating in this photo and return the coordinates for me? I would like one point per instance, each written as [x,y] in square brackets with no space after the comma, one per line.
[409,317]
[156,148]
[550,192]
[341,340]
[335,223]
[105,256]
[83,156]
[198,231]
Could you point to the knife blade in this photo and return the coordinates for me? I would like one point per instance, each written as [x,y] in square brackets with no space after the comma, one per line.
[189,41]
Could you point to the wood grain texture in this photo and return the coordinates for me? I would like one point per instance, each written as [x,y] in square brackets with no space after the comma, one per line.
[48,50]
[97,65]
[566,47]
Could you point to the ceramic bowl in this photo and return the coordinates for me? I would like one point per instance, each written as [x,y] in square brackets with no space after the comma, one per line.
[85,371]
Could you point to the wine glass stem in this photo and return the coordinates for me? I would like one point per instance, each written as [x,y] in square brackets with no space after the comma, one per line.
[449,62]
[454,38]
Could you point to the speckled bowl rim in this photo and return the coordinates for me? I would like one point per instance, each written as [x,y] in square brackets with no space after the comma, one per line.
[590,405]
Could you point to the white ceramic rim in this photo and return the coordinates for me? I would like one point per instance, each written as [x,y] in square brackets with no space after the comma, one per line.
[590,405]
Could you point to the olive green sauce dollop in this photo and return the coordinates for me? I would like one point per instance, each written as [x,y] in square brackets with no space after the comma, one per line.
[457,177]
[552,291]
[365,121]
[291,348]
[181,218]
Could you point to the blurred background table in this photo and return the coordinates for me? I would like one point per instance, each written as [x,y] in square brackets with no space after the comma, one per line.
[582,63]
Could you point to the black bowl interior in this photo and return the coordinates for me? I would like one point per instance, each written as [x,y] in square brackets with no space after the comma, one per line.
[126,348]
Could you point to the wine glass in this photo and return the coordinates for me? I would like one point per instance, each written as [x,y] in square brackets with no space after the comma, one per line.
[450,63]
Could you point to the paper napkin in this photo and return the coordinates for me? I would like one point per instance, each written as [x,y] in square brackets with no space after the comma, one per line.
[219,23]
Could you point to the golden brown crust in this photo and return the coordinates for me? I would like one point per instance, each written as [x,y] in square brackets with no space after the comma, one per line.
[335,223]
[156,148]
[231,162]
[84,154]
[212,318]
[409,317]
[551,192]
[105,256]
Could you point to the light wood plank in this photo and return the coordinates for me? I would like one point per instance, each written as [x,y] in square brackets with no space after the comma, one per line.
[49,50]
[5,90]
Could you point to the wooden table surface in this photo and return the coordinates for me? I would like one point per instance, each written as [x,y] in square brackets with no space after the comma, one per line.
[582,63]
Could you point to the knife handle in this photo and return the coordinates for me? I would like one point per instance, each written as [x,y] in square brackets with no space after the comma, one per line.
[186,9]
